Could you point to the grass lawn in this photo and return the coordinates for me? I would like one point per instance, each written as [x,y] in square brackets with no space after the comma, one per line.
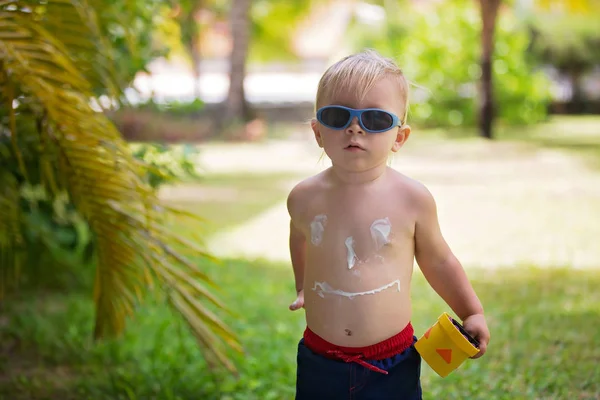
[544,322]
[545,345]
[226,200]
[577,135]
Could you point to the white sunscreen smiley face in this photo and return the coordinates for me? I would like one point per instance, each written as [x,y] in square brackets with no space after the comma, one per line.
[351,254]
[380,232]
[323,288]
[317,228]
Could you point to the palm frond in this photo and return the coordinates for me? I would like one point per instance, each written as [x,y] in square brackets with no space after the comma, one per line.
[10,233]
[75,29]
[12,124]
[104,183]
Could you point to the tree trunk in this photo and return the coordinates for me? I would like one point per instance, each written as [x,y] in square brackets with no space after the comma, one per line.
[577,105]
[489,13]
[236,107]
[191,38]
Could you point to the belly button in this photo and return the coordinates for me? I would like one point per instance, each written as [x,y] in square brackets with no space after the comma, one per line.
[348,332]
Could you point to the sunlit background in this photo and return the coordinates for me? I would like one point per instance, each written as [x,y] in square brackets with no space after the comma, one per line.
[216,97]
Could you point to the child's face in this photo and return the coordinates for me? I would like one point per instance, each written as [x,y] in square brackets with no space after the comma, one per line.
[353,148]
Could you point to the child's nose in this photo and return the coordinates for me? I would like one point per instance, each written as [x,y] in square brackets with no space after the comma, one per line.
[354,127]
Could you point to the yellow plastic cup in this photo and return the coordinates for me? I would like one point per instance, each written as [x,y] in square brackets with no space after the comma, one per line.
[446,345]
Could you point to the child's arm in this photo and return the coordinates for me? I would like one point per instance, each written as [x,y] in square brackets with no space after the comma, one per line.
[444,272]
[297,243]
[297,252]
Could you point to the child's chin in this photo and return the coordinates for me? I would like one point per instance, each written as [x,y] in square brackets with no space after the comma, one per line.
[355,164]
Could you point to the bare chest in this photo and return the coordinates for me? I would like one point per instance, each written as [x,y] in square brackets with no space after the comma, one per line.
[359,232]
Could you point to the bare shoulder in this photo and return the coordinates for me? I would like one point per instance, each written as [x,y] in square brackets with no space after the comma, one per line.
[416,192]
[299,197]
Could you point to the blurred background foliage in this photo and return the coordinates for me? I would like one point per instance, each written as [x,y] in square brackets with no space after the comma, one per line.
[438,44]
[72,190]
[79,76]
[439,53]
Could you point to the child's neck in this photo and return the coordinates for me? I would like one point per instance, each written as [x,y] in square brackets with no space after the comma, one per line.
[359,177]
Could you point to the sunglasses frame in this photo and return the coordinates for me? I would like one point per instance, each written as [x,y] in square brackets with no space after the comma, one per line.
[358,113]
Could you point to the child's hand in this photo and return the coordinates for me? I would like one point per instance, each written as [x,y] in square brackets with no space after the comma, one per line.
[477,327]
[299,302]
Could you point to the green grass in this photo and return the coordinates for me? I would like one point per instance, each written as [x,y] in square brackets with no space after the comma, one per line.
[577,135]
[545,342]
[544,323]
[231,200]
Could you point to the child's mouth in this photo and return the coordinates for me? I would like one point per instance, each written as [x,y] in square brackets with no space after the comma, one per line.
[354,147]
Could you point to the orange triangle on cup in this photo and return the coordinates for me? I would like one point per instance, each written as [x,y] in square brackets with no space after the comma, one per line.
[427,333]
[446,354]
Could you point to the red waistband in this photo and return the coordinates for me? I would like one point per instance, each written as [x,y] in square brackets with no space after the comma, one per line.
[378,351]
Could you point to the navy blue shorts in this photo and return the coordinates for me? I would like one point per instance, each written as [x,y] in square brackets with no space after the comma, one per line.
[321,378]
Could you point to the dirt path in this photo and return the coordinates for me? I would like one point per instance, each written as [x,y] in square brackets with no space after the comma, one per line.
[500,204]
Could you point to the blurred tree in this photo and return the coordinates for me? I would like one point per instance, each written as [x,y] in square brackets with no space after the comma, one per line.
[188,16]
[440,55]
[569,42]
[54,141]
[186,13]
[126,30]
[236,106]
[265,34]
[273,25]
[569,6]
[270,24]
[489,13]
[387,36]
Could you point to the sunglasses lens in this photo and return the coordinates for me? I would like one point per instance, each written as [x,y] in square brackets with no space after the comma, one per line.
[335,117]
[377,120]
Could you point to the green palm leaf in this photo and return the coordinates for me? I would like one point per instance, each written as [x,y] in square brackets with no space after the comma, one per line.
[10,235]
[97,169]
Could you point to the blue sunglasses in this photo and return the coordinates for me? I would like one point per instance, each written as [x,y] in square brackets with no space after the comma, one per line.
[372,120]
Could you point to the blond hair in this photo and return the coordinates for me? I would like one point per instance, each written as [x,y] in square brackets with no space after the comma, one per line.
[361,71]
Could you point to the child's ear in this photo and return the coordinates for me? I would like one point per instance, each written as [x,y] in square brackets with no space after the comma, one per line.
[315,127]
[401,137]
